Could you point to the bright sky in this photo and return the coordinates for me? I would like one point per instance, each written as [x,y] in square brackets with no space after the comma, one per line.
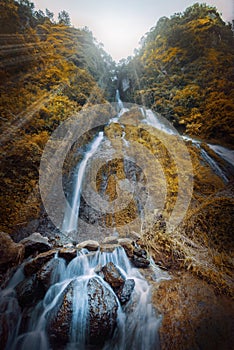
[120,24]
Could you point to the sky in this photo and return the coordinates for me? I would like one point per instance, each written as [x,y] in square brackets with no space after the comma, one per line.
[120,24]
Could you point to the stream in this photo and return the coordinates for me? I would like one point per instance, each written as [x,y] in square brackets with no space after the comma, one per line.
[77,288]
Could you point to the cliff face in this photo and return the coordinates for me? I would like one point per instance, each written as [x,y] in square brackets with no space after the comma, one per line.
[183,70]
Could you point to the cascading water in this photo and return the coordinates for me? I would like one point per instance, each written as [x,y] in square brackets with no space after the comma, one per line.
[213,164]
[207,158]
[157,122]
[224,153]
[72,212]
[118,100]
[154,120]
[136,321]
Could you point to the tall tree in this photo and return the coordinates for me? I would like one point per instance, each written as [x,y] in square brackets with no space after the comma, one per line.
[64,18]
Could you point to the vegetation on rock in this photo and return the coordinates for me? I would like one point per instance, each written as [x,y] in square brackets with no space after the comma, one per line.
[48,72]
[184,70]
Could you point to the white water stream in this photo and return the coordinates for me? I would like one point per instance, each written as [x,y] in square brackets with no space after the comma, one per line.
[162,124]
[137,321]
[72,212]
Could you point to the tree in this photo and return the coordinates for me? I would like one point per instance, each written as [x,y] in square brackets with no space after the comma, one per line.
[64,18]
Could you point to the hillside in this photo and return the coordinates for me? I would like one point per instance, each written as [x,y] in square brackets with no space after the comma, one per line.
[184,71]
[48,72]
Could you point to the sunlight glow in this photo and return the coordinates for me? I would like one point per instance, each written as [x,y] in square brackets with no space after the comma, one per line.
[119,25]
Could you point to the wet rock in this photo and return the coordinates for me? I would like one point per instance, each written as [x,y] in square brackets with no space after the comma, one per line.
[29,291]
[138,251]
[140,262]
[11,253]
[110,240]
[67,253]
[125,291]
[35,244]
[112,275]
[48,273]
[101,316]
[139,258]
[35,264]
[90,245]
[126,243]
[60,319]
[102,312]
[108,248]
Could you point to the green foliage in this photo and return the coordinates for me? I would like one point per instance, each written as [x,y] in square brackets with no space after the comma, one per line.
[184,70]
[64,18]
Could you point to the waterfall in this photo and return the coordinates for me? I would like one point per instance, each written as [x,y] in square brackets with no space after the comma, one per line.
[224,153]
[207,158]
[157,122]
[72,212]
[137,322]
[154,119]
[213,164]
[118,100]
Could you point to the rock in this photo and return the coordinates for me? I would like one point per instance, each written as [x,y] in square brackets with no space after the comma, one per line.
[60,319]
[195,316]
[11,253]
[138,251]
[35,243]
[140,262]
[90,245]
[68,245]
[110,240]
[35,264]
[29,291]
[101,315]
[135,236]
[67,253]
[112,275]
[125,291]
[108,248]
[48,274]
[126,243]
[103,308]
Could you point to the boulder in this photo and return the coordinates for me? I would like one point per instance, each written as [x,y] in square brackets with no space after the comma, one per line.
[35,264]
[67,253]
[35,244]
[110,240]
[90,245]
[99,314]
[103,308]
[125,291]
[11,253]
[138,251]
[60,319]
[29,291]
[48,274]
[112,275]
[108,248]
[126,243]
[140,262]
